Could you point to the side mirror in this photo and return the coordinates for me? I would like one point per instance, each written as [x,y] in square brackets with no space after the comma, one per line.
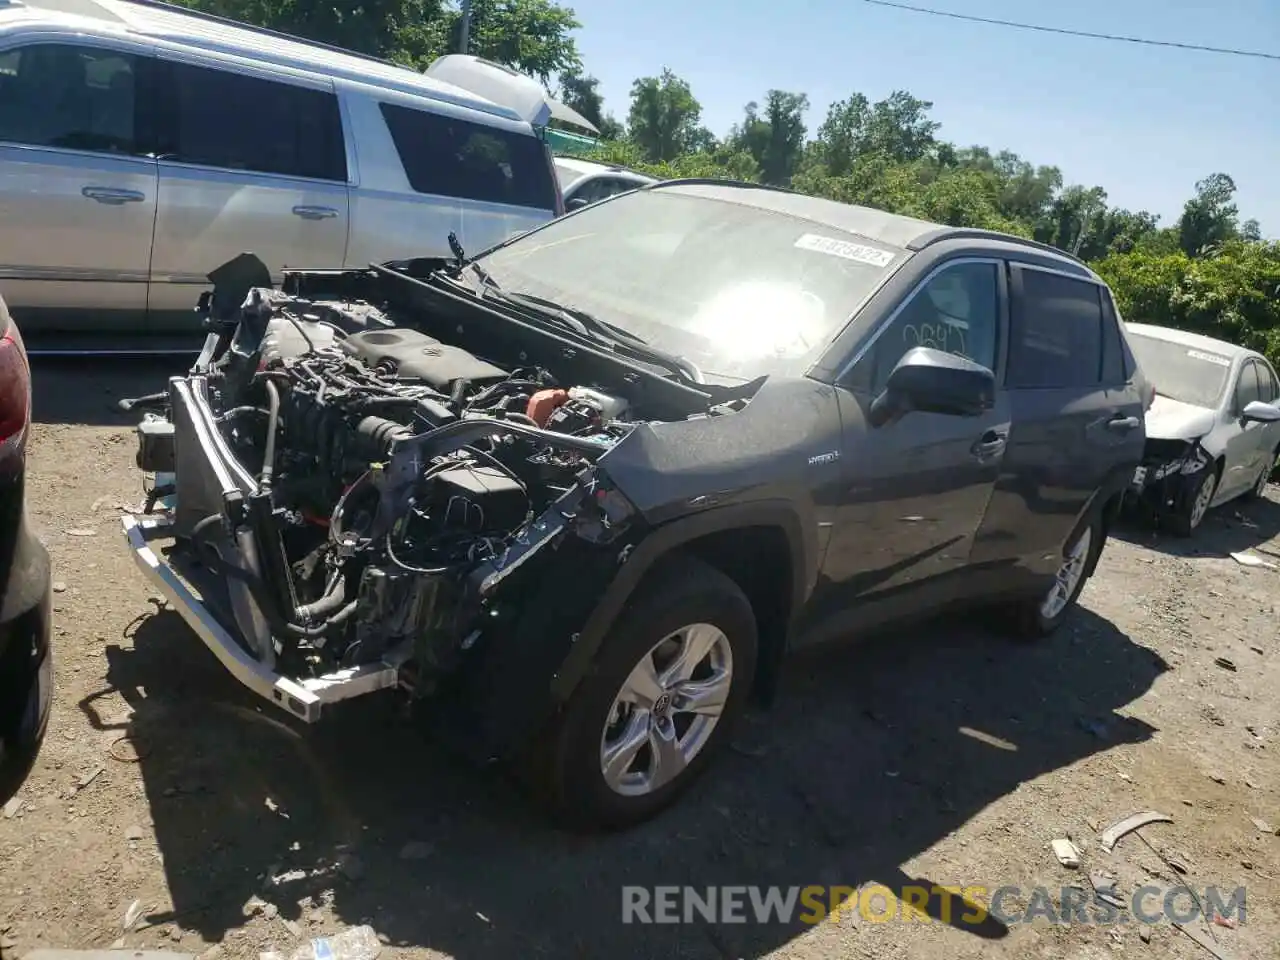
[933,381]
[577,203]
[1261,412]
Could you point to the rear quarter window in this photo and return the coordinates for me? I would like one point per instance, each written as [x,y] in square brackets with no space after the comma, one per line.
[448,157]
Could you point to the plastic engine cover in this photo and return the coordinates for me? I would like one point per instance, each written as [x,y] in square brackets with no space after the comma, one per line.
[412,355]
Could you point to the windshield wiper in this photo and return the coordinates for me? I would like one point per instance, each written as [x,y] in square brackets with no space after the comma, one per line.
[608,334]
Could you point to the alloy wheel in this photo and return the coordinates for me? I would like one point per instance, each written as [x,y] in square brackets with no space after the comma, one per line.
[1068,578]
[666,711]
[1204,497]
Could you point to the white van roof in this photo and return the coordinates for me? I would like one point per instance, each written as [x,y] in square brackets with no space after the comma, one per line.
[161,21]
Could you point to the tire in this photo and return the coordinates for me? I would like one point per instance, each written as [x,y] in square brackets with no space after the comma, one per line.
[1186,518]
[1259,487]
[566,769]
[1035,618]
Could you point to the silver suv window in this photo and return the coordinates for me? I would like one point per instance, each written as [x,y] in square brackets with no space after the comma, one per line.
[69,96]
[449,157]
[217,118]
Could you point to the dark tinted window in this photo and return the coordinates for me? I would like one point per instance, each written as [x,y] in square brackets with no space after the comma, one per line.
[1114,368]
[454,158]
[1055,337]
[78,98]
[222,119]
[957,310]
[1266,382]
[1247,389]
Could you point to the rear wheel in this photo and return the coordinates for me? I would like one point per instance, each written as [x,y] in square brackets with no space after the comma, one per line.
[1259,488]
[1040,616]
[667,685]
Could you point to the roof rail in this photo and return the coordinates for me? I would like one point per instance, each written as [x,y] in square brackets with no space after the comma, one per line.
[973,233]
[263,31]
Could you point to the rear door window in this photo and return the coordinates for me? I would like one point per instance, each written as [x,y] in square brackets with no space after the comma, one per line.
[218,118]
[1114,366]
[70,96]
[1056,331]
[449,157]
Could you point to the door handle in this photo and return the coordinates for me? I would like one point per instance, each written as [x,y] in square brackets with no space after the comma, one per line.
[112,195]
[988,445]
[315,213]
[1123,424]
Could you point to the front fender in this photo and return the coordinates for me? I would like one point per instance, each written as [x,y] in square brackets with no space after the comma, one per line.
[521,677]
[802,544]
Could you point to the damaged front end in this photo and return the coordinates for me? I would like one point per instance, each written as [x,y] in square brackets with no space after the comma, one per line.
[348,503]
[1168,474]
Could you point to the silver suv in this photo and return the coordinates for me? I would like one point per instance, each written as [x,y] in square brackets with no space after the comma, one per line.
[142,145]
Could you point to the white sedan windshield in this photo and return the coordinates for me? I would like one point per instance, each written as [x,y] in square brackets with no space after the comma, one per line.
[738,290]
[1180,372]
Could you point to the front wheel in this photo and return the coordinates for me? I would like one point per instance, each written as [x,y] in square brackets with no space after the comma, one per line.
[1190,511]
[667,685]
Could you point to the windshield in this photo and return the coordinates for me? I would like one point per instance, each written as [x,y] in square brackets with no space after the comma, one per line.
[1180,372]
[737,290]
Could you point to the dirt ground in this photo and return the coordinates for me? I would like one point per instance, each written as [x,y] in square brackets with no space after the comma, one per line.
[944,755]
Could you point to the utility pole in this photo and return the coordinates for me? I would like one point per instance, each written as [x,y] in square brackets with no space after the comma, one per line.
[463,40]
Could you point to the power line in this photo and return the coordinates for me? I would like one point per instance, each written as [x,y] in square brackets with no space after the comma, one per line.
[1075,33]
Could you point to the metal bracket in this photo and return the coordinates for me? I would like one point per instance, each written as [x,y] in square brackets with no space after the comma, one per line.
[303,698]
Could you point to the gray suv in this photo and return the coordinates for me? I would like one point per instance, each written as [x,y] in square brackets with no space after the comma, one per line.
[579,493]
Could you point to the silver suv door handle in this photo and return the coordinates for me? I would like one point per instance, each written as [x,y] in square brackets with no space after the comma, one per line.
[315,213]
[112,195]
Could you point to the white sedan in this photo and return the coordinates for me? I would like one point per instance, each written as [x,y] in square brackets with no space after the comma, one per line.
[1213,429]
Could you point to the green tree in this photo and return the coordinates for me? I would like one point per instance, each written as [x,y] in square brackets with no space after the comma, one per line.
[582,93]
[664,115]
[899,126]
[841,136]
[369,26]
[722,162]
[1210,217]
[532,36]
[774,138]
[1026,191]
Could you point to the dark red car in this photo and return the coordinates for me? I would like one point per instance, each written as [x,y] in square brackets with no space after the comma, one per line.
[25,588]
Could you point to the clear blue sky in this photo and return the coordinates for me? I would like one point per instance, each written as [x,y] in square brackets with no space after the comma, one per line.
[1142,122]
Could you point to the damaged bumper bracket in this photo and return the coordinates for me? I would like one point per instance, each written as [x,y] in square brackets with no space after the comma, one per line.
[304,698]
